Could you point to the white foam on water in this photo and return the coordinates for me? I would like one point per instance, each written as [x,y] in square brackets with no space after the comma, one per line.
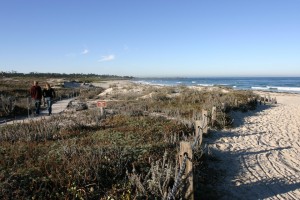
[290,89]
[260,88]
[206,85]
[280,89]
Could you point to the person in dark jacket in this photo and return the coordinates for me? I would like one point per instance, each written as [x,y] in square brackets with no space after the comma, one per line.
[36,95]
[49,95]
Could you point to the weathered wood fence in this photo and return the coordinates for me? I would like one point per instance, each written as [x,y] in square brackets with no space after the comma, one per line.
[187,148]
[185,175]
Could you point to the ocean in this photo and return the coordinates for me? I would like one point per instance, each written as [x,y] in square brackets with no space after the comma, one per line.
[274,84]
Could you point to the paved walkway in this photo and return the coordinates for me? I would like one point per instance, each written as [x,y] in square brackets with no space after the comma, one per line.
[57,108]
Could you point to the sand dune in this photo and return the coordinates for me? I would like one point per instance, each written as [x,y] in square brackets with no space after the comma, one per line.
[260,155]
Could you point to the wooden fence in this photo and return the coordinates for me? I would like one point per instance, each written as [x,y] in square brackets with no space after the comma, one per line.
[186,154]
[187,148]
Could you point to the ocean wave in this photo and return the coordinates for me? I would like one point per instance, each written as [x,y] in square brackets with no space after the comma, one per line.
[292,89]
[142,82]
[260,88]
[224,84]
[205,85]
[289,85]
[276,88]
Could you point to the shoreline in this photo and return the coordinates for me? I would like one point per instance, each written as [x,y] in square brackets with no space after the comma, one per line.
[199,87]
[268,84]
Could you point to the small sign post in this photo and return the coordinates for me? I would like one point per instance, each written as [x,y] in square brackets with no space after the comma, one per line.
[101,105]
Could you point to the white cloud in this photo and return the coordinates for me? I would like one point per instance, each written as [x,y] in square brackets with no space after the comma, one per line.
[85,51]
[107,58]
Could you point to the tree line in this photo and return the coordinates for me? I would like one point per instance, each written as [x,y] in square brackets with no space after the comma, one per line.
[62,75]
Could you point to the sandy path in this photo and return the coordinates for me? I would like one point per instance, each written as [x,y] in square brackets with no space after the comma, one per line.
[261,155]
[57,108]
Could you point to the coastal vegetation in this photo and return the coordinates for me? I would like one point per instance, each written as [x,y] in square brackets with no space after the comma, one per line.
[14,87]
[127,153]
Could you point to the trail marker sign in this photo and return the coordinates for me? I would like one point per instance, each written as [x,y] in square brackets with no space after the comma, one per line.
[101,104]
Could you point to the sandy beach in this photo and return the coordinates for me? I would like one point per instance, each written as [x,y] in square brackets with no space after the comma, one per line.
[110,83]
[259,156]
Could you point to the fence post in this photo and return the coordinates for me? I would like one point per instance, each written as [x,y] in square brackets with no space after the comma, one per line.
[10,104]
[249,100]
[205,122]
[198,131]
[186,150]
[101,112]
[224,107]
[213,115]
[236,103]
[28,105]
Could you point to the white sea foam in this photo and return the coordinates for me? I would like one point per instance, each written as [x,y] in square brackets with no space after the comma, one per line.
[280,89]
[206,85]
[142,82]
[223,84]
[276,85]
[260,88]
[291,89]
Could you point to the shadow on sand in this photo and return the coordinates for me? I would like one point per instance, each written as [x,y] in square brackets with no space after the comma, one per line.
[239,117]
[219,182]
[264,189]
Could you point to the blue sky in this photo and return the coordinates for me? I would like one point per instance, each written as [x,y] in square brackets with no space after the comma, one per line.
[151,37]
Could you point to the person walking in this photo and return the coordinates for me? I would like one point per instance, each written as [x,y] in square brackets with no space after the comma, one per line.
[36,95]
[48,94]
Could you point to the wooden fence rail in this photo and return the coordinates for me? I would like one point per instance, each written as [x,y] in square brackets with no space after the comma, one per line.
[186,153]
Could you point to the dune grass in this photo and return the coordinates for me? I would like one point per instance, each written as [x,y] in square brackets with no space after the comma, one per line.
[129,154]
